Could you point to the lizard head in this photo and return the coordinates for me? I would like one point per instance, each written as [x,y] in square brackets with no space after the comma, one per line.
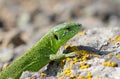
[63,32]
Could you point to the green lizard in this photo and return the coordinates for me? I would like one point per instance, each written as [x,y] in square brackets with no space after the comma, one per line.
[43,51]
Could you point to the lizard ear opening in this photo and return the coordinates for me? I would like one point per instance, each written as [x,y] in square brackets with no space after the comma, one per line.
[56,37]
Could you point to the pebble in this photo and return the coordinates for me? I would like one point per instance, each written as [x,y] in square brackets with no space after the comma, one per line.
[5,55]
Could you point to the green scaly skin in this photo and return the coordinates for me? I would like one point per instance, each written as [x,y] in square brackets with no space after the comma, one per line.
[39,55]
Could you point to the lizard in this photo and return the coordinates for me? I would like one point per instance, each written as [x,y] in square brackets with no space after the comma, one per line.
[43,51]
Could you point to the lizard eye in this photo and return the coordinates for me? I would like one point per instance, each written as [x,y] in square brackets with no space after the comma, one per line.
[68,28]
[56,37]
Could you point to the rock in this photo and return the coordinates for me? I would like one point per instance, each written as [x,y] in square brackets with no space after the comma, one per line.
[5,55]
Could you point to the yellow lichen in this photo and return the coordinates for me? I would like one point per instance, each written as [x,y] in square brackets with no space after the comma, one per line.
[71,64]
[68,59]
[110,54]
[118,56]
[82,33]
[62,62]
[84,58]
[89,76]
[60,77]
[115,39]
[67,72]
[72,76]
[42,74]
[84,52]
[75,59]
[74,48]
[84,66]
[111,40]
[81,77]
[66,46]
[97,77]
[109,64]
[71,49]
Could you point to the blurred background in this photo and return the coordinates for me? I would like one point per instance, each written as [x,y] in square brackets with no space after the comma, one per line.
[24,22]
